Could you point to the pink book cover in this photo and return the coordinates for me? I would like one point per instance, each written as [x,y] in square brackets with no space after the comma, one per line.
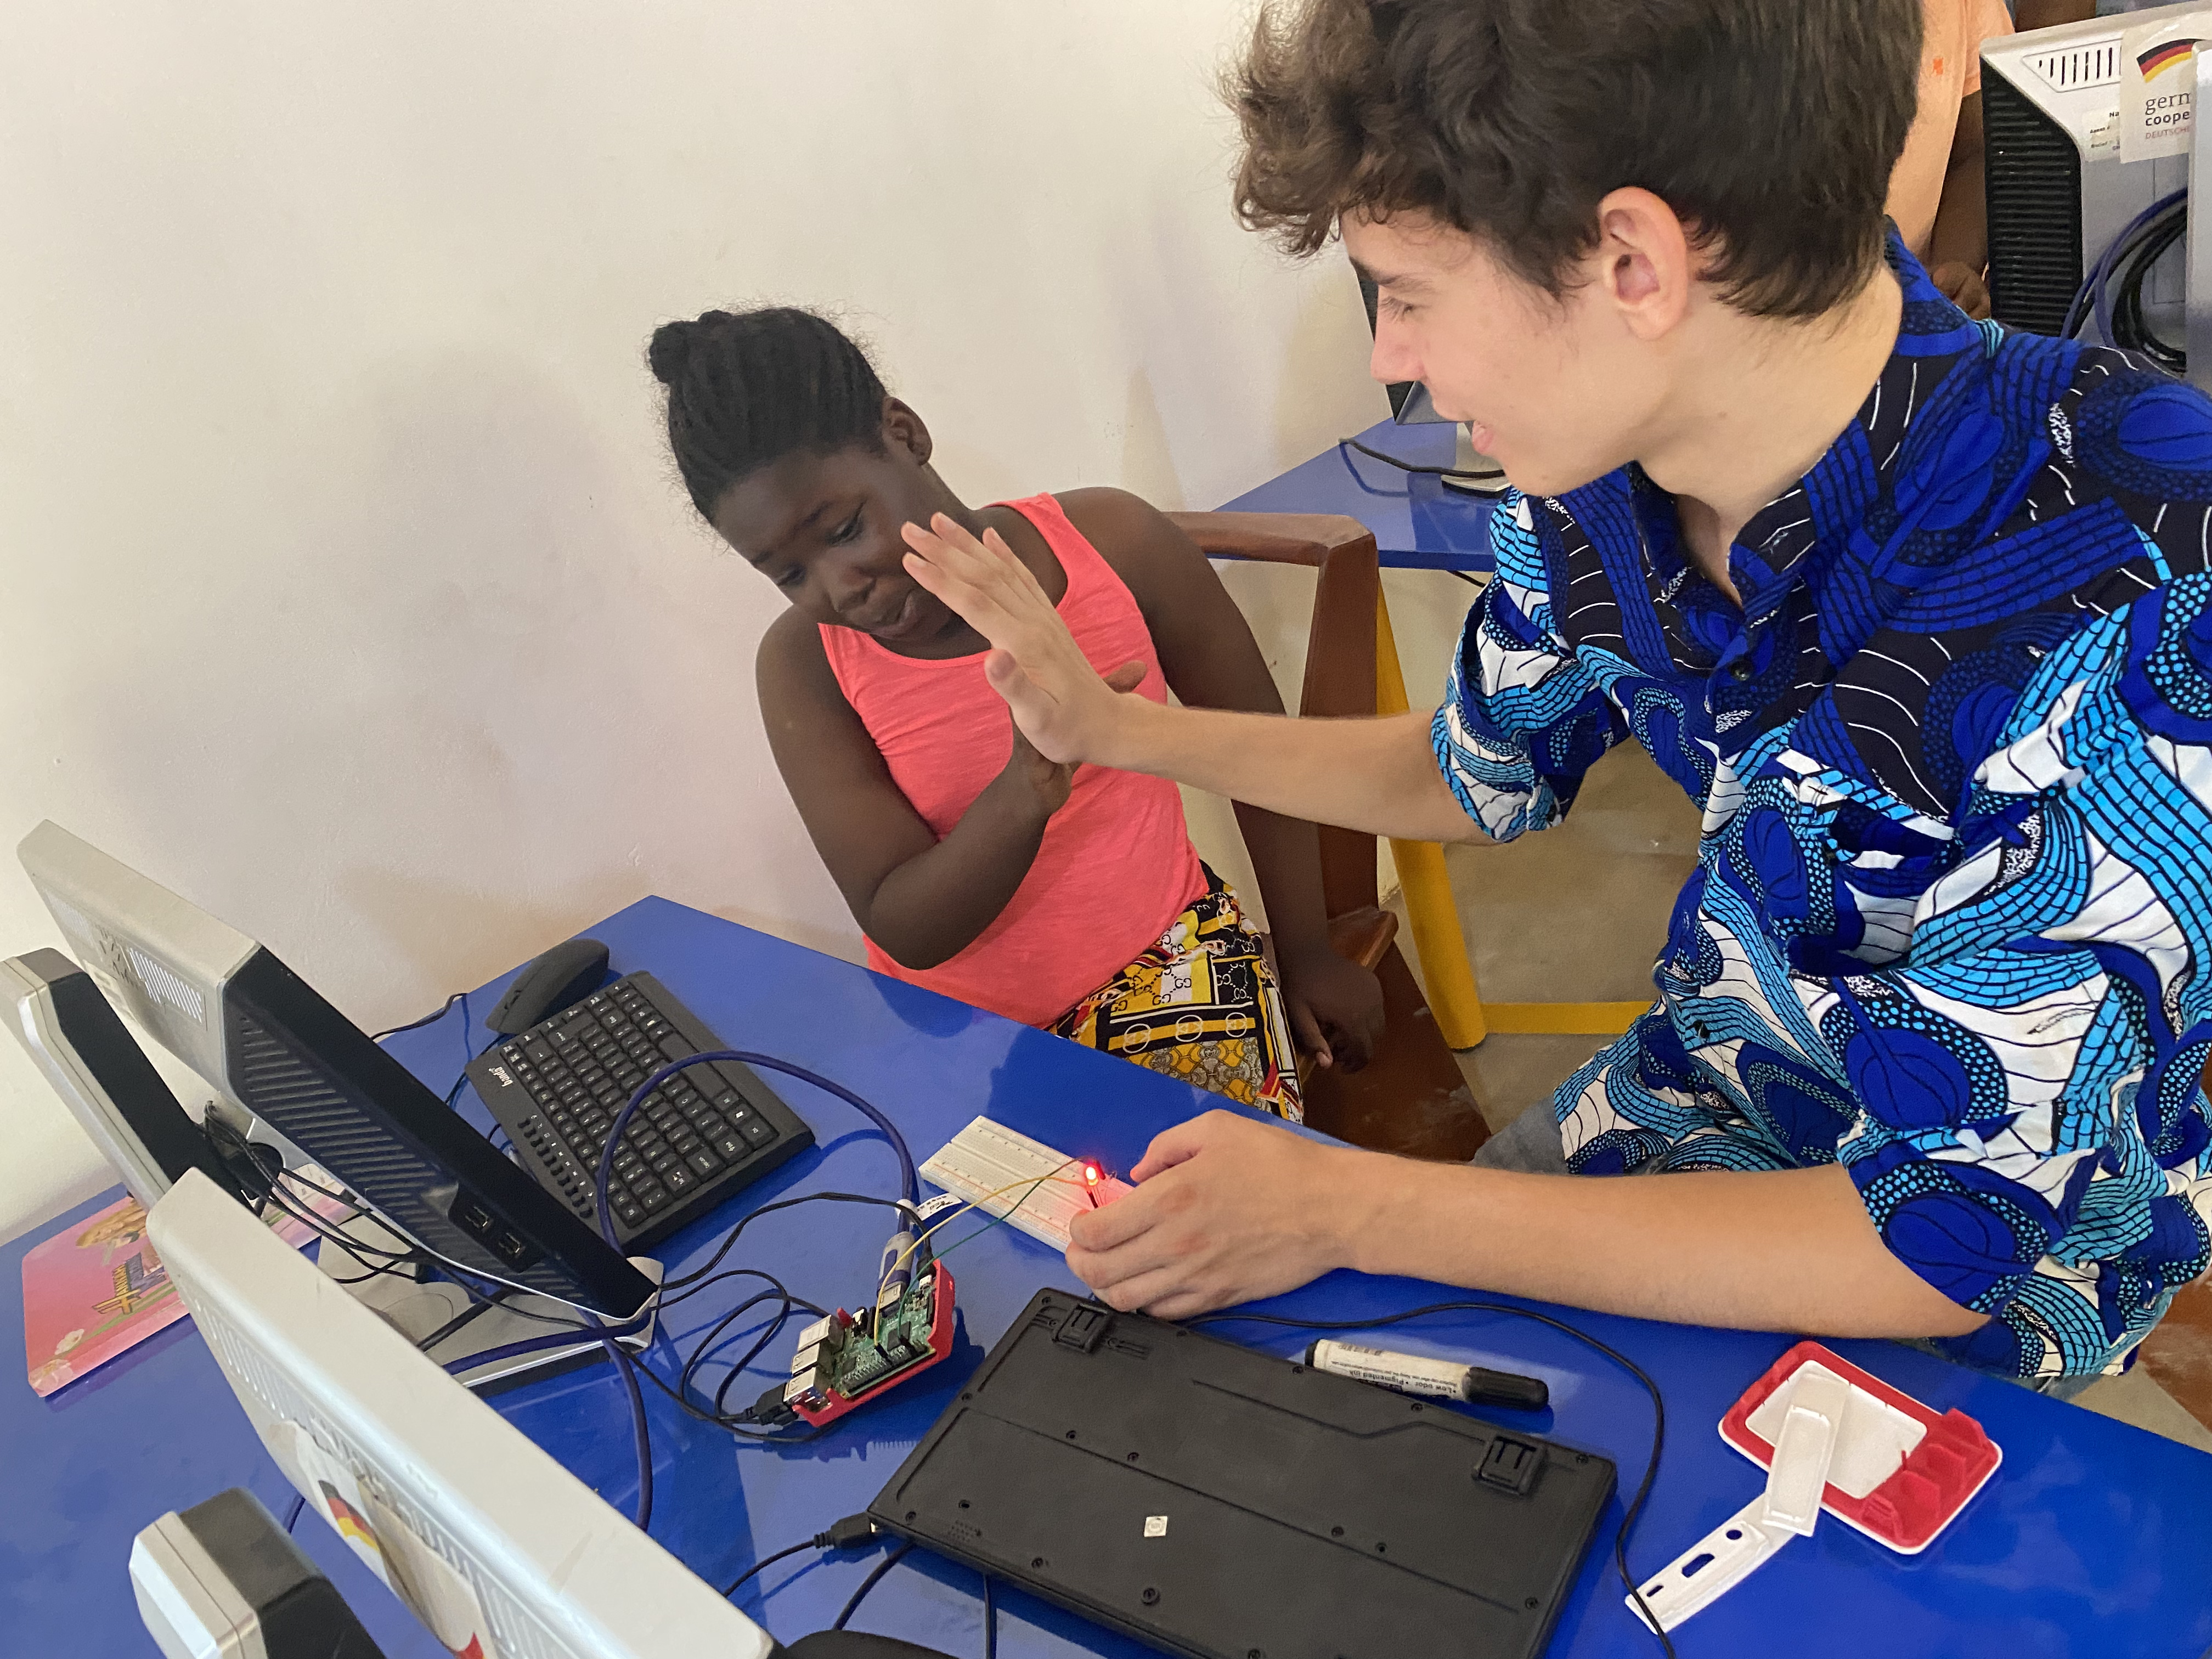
[97,1289]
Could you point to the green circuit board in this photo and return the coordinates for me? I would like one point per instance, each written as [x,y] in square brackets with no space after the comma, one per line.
[853,1353]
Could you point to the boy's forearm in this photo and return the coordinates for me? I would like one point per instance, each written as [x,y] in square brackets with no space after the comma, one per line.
[1789,1250]
[1377,775]
[938,904]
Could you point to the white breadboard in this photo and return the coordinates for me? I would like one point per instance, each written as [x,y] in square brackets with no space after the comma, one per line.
[985,1157]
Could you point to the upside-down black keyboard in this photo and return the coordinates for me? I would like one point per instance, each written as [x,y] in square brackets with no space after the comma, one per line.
[706,1132]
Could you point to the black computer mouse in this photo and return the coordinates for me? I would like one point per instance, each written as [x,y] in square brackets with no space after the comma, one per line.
[564,975]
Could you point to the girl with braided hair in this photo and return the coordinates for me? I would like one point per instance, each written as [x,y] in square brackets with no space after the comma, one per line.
[1067,897]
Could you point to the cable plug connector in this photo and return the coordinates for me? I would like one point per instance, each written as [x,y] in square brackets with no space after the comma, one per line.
[770,1410]
[851,1533]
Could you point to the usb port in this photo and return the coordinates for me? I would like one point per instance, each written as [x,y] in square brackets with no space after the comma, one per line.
[474,1219]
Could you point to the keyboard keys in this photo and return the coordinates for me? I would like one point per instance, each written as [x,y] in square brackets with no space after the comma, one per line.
[680,1145]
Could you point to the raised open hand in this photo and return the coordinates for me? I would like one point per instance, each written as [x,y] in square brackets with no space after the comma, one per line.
[1058,700]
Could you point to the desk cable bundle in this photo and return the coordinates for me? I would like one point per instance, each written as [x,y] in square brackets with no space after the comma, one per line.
[844,1360]
[1005,1177]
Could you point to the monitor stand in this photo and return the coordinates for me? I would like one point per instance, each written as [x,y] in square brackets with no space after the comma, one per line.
[1473,472]
[465,1326]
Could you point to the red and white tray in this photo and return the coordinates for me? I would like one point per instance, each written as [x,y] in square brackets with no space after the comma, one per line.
[1880,1461]
[1901,1473]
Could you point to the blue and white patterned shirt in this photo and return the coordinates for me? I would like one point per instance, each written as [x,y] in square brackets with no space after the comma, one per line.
[1952,918]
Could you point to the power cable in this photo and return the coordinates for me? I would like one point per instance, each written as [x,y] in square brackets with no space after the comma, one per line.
[875,1576]
[1451,474]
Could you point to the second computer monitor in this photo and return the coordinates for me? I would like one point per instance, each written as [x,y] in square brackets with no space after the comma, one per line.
[473,1525]
[253,1029]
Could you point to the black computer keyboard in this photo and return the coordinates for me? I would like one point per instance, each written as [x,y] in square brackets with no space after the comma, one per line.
[708,1131]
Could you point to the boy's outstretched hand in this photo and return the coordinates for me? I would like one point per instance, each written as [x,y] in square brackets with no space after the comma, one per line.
[1225,1210]
[1058,700]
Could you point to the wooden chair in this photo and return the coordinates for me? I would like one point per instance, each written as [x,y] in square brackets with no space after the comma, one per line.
[1410,1098]
[2178,1353]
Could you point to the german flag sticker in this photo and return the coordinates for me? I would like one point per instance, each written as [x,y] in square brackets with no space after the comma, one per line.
[352,1525]
[2164,57]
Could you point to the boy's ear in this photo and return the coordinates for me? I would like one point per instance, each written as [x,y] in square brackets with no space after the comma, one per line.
[1645,265]
[904,435]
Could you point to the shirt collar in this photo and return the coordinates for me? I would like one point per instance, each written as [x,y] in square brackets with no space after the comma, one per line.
[1772,552]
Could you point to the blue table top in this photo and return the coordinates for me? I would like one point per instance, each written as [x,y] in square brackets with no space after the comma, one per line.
[1418,524]
[2093,1537]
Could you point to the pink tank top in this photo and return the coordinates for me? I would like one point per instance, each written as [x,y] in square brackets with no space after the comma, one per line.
[1115,866]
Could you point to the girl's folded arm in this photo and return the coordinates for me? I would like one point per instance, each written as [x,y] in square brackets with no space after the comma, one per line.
[921,900]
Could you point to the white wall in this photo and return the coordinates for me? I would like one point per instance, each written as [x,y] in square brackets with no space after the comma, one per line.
[346,587]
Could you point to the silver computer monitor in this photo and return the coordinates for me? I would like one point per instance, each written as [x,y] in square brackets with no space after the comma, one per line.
[468,1517]
[2059,189]
[252,1028]
[72,1035]
[161,960]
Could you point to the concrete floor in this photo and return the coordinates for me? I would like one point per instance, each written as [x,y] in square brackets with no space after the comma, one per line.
[1577,914]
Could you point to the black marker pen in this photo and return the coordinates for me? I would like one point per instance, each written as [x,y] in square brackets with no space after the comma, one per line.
[1438,1379]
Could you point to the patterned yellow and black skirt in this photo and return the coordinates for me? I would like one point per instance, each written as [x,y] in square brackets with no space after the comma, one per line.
[1201,1005]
